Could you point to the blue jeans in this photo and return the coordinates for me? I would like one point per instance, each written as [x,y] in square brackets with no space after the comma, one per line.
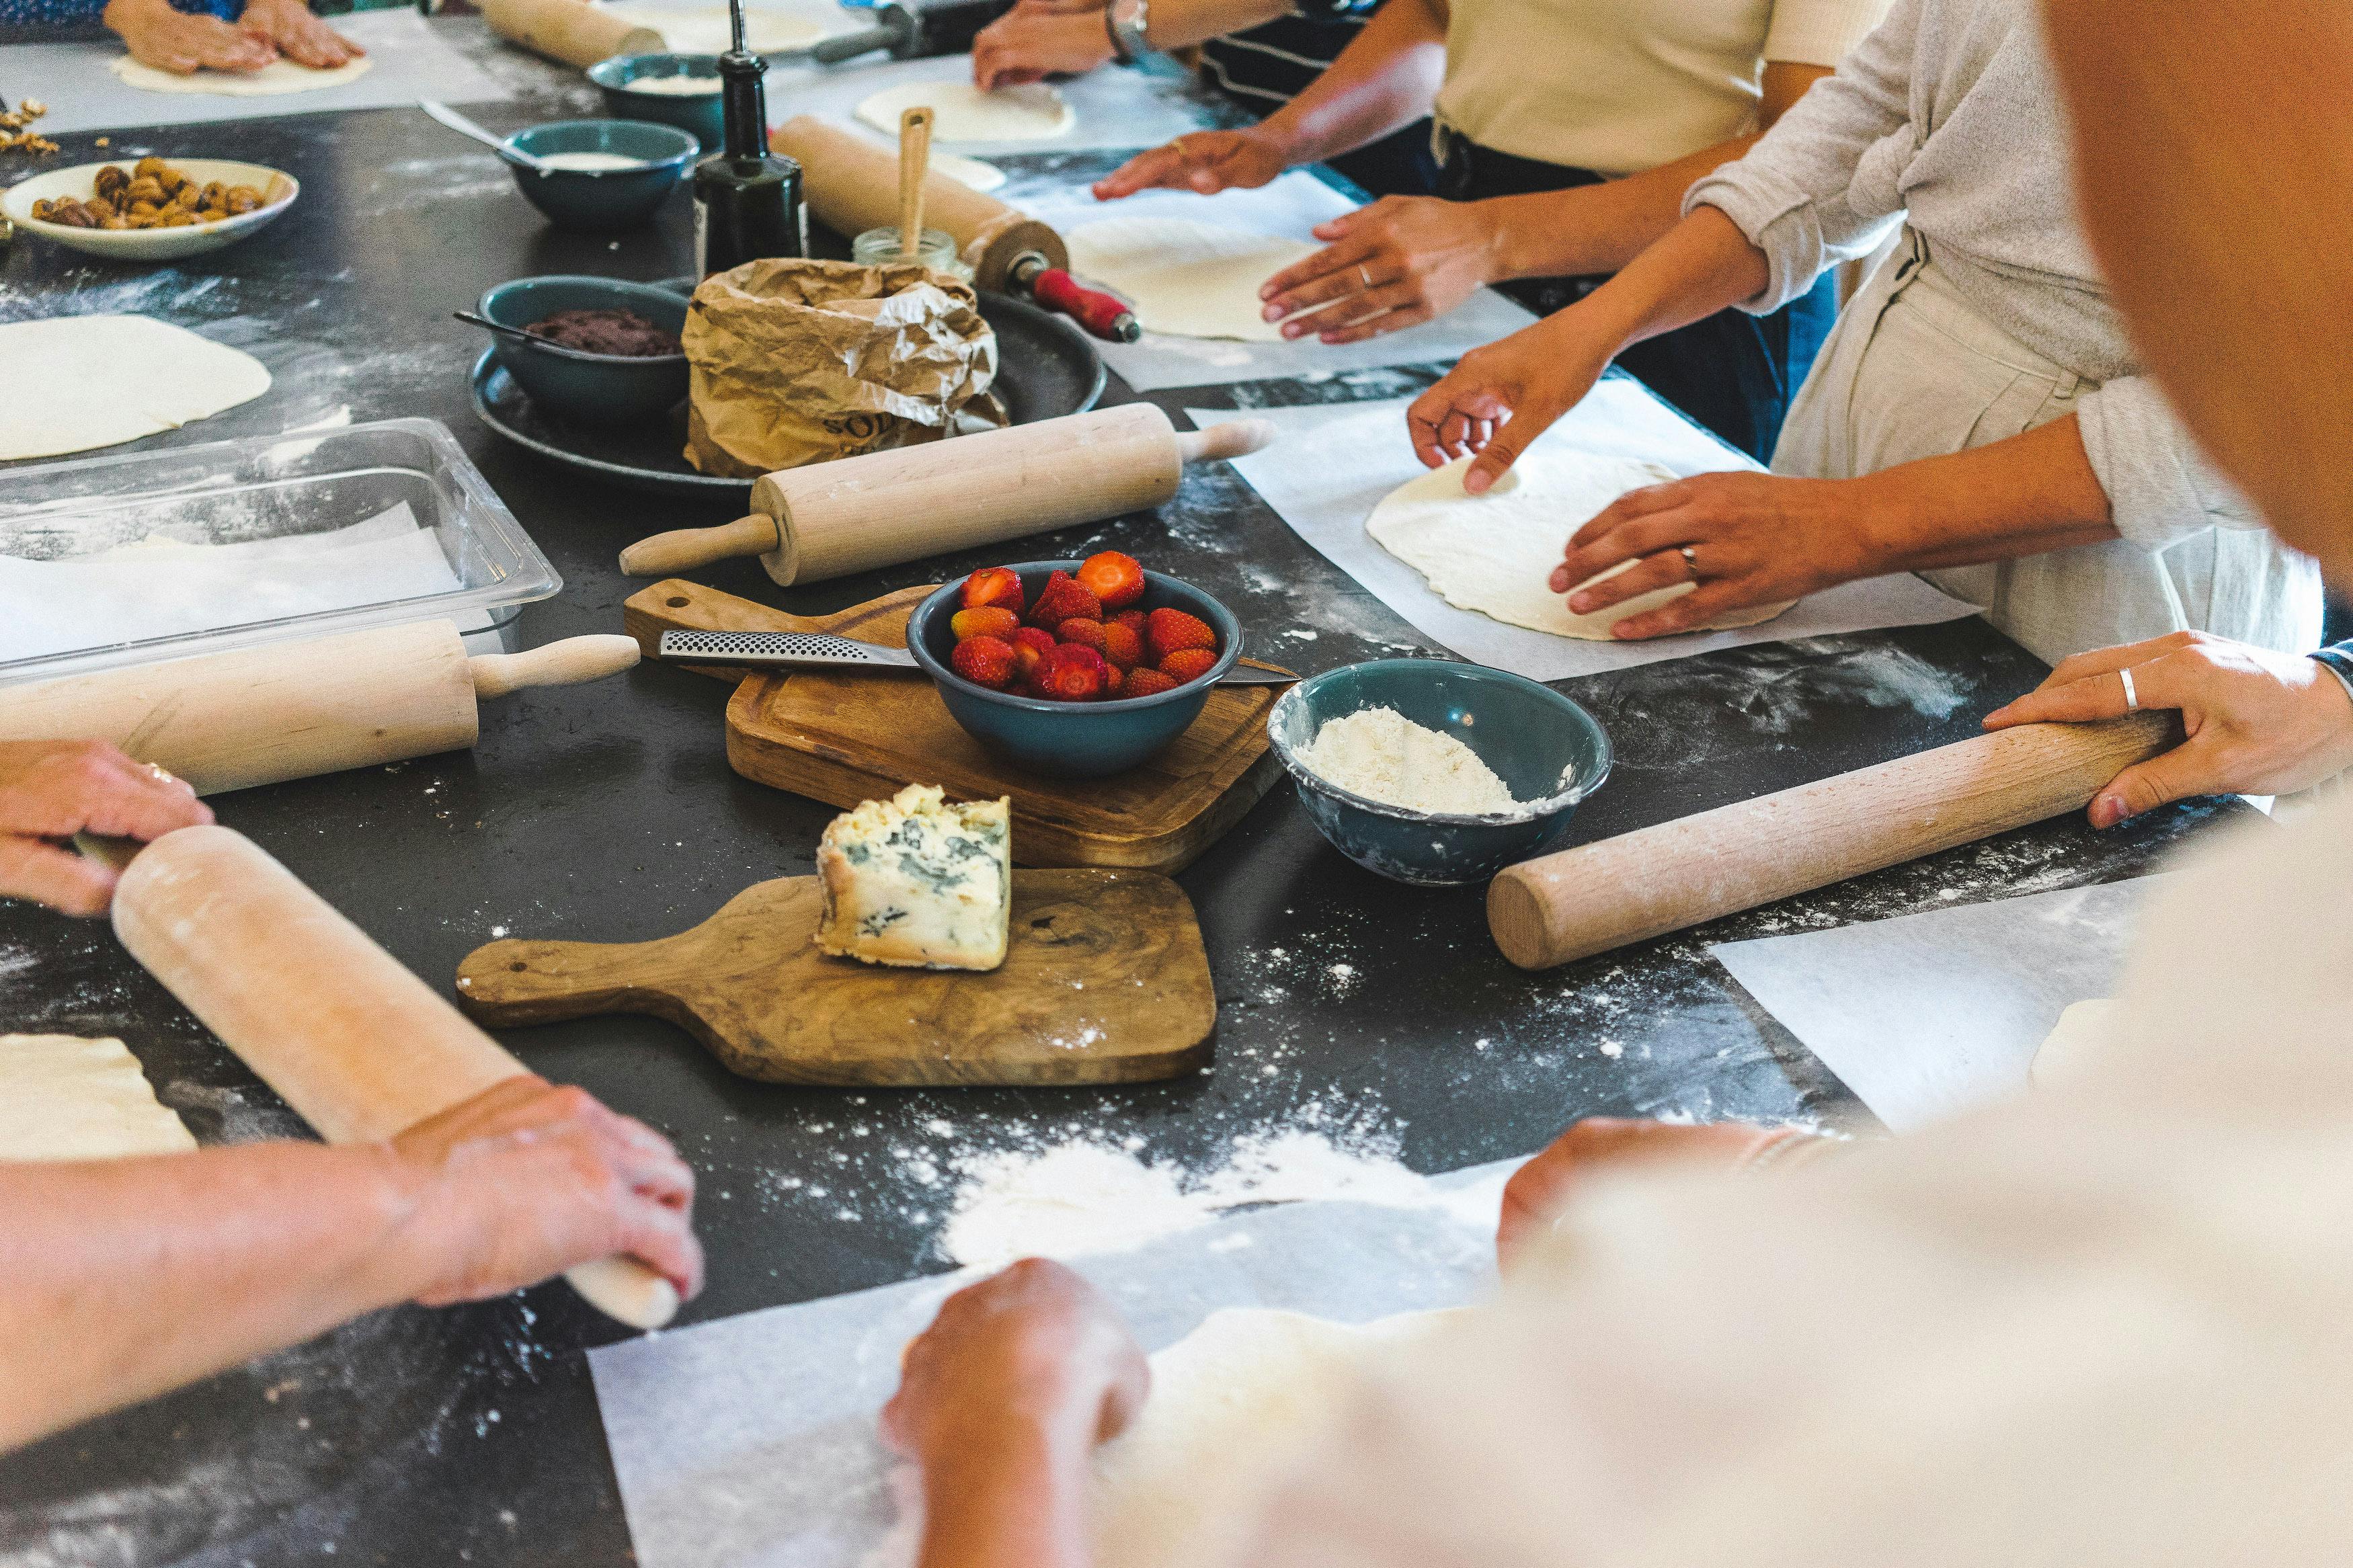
[1734,372]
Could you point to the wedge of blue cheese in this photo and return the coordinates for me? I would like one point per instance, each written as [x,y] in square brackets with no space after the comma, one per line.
[918,882]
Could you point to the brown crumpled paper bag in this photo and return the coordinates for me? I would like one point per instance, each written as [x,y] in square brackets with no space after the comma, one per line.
[795,361]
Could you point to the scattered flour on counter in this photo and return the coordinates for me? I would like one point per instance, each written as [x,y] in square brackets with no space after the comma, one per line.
[1381,754]
[1083,1196]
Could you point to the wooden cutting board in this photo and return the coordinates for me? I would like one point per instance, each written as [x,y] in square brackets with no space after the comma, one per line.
[1105,982]
[846,738]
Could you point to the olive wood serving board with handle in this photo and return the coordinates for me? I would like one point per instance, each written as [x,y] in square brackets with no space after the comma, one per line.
[855,735]
[1105,981]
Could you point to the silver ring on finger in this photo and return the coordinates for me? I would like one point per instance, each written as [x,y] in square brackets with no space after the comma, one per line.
[1691,561]
[1364,275]
[2132,698]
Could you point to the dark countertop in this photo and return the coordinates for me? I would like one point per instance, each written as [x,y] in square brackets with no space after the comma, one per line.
[607,812]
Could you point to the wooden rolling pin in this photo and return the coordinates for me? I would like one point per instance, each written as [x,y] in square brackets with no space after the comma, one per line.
[571,31]
[852,185]
[358,1045]
[287,711]
[881,509]
[1600,896]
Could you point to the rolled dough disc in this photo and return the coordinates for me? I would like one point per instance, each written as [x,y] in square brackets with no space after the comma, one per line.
[2072,1043]
[1034,111]
[97,380]
[707,29]
[1494,553]
[1232,1404]
[66,1098]
[278,76]
[1185,278]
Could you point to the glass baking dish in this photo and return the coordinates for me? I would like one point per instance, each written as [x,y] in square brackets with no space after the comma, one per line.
[285,507]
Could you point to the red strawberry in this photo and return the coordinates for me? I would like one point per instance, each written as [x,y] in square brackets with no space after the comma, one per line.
[1062,599]
[1145,682]
[1114,578]
[1113,676]
[1087,634]
[1030,645]
[998,586]
[985,661]
[1072,673]
[1122,646]
[985,621]
[1169,631]
[1132,619]
[1188,664]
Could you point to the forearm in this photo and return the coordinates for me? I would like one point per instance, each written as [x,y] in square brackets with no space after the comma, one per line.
[2023,496]
[1386,78]
[1703,265]
[121,1280]
[1600,228]
[1179,23]
[1010,1495]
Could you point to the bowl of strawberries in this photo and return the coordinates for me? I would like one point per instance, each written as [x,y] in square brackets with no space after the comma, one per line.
[1073,668]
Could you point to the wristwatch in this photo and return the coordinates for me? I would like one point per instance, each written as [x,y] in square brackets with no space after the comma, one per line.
[1125,20]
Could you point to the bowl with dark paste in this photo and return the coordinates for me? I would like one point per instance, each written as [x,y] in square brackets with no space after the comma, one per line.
[601,350]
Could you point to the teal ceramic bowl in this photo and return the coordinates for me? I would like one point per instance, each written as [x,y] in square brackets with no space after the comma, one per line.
[701,115]
[1549,753]
[601,201]
[599,389]
[1070,739]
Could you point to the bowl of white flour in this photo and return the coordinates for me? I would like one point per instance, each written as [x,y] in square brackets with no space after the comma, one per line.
[1435,772]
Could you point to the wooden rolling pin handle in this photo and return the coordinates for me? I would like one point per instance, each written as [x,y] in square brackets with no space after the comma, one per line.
[571,662]
[626,1290]
[684,549]
[1571,905]
[1230,438]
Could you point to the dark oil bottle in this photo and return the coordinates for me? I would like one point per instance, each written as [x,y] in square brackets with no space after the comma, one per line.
[747,200]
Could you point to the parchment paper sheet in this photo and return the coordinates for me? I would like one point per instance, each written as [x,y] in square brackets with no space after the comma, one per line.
[84,95]
[60,606]
[1929,1014]
[1291,205]
[1332,463]
[750,1442]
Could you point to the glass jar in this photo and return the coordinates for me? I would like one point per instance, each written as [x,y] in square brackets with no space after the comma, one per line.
[936,250]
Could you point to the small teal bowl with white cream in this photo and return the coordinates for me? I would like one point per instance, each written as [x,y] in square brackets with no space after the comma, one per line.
[683,91]
[599,176]
[1548,753]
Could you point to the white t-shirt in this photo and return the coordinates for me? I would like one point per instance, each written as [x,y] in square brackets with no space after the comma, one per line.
[2102,1325]
[1620,86]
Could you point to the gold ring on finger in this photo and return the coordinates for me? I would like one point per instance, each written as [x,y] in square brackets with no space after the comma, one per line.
[1691,561]
[1366,276]
[161,775]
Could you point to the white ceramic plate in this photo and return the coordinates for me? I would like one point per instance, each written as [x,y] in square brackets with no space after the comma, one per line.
[278,189]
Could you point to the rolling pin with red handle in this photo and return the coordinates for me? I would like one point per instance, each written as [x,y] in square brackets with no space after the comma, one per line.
[851,185]
[358,1045]
[289,710]
[883,509]
[1574,904]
